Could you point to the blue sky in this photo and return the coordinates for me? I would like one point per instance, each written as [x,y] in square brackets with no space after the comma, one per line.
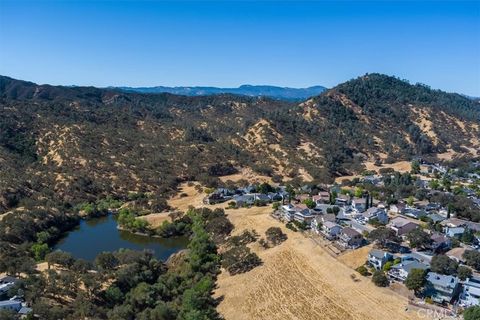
[147,43]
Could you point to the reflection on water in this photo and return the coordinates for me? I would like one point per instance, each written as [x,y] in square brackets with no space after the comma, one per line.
[101,234]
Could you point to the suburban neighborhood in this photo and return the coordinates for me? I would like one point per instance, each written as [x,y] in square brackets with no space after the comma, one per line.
[419,242]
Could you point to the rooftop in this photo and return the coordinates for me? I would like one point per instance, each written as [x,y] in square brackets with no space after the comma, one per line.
[399,222]
[9,303]
[377,253]
[350,232]
[442,280]
[330,224]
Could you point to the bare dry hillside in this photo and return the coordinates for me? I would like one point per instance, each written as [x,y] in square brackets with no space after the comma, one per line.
[299,280]
[75,144]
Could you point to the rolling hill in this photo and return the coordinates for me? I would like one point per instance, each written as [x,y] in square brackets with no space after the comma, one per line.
[63,145]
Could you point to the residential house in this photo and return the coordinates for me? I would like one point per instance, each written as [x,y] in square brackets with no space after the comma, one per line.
[13,305]
[349,238]
[470,295]
[400,271]
[414,213]
[288,212]
[303,214]
[359,204]
[316,224]
[432,207]
[456,254]
[244,200]
[397,208]
[322,197]
[214,198]
[323,207]
[251,189]
[422,183]
[402,226]
[328,217]
[443,212]
[439,242]
[276,196]
[455,223]
[456,232]
[435,217]
[442,288]
[378,258]
[260,197]
[302,197]
[330,230]
[474,226]
[375,213]
[6,283]
[376,180]
[24,311]
[342,200]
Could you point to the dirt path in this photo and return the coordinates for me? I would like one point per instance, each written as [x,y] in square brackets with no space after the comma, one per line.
[299,280]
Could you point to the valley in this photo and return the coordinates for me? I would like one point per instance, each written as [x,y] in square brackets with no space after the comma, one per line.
[72,154]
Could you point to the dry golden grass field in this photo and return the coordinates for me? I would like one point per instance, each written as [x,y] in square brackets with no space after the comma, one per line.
[299,280]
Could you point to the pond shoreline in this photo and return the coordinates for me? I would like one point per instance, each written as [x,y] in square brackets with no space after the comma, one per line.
[146,234]
[100,233]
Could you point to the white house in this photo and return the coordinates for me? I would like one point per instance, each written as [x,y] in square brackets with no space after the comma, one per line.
[288,212]
[303,214]
[378,258]
[397,208]
[359,204]
[442,288]
[330,230]
[375,213]
[316,225]
[470,295]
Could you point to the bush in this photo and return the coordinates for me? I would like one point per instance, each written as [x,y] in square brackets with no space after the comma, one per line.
[39,250]
[388,265]
[363,271]
[464,273]
[416,280]
[275,236]
[472,313]
[128,220]
[300,225]
[239,260]
[291,226]
[309,203]
[380,279]
[443,265]
[244,238]
[472,259]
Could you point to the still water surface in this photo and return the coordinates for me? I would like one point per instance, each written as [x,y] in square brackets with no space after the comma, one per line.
[96,235]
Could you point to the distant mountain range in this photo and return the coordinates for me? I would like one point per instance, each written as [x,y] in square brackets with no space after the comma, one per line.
[280,93]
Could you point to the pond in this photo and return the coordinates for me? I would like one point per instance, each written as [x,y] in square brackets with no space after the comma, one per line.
[96,235]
